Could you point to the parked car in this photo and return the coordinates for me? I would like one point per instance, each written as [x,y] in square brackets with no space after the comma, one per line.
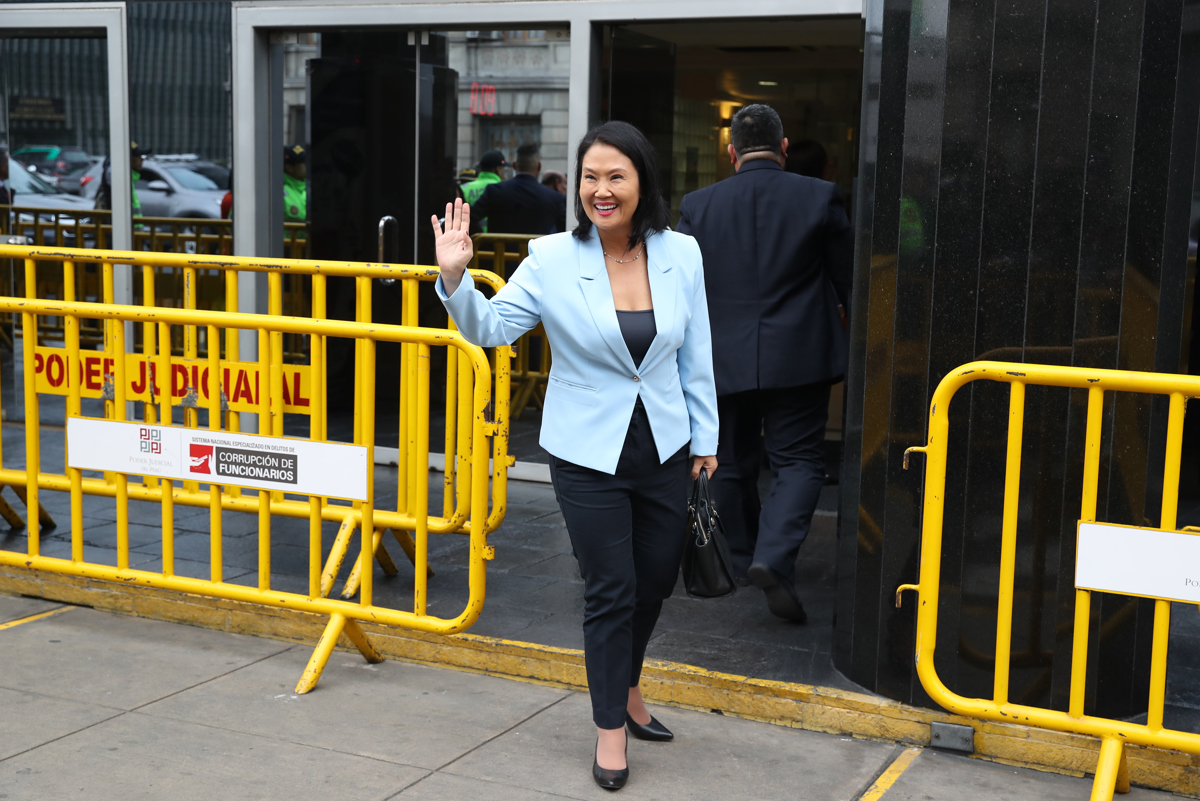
[214,172]
[89,181]
[31,192]
[52,162]
[72,182]
[176,189]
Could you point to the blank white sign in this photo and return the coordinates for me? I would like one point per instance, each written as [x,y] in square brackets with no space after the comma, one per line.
[1138,561]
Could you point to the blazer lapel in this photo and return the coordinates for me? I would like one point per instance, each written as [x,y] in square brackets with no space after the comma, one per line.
[597,292]
[663,291]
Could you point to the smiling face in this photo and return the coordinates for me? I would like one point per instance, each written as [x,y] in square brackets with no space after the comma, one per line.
[609,189]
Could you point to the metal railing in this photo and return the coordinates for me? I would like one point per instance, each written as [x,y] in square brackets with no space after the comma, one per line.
[34,478]
[304,381]
[1112,770]
[531,364]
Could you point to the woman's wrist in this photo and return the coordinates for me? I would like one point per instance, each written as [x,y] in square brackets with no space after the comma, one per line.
[451,280]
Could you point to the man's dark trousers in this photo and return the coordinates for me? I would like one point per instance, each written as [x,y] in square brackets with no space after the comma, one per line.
[794,421]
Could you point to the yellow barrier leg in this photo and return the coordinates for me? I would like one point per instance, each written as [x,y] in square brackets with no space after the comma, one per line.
[43,516]
[10,515]
[384,558]
[385,561]
[359,638]
[1112,772]
[409,546]
[1122,785]
[337,554]
[316,664]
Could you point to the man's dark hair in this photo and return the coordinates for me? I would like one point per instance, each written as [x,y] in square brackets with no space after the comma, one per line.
[652,214]
[756,129]
[807,157]
[527,158]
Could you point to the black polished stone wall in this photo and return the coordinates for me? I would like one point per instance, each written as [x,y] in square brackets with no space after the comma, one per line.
[1024,195]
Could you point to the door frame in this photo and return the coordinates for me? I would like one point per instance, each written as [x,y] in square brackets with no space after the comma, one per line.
[109,17]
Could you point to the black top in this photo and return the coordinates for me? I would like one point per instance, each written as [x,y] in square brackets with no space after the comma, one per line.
[639,330]
[777,254]
[521,205]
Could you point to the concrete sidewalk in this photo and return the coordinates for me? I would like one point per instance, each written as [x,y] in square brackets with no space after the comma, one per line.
[101,706]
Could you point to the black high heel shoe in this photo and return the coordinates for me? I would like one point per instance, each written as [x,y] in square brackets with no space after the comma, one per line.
[651,731]
[611,779]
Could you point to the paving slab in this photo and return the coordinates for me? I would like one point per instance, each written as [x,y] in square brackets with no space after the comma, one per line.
[943,776]
[137,756]
[445,787]
[712,756]
[393,711]
[13,607]
[30,720]
[118,661]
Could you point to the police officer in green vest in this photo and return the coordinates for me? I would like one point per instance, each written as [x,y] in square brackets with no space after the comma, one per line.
[295,186]
[490,166]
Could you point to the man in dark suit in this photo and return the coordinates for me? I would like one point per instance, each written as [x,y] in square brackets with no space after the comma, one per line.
[521,205]
[777,266]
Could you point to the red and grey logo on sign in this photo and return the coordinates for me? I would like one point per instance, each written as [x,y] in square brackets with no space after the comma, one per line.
[201,458]
[151,440]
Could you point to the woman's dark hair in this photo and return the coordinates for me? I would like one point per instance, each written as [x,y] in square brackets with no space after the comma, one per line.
[652,214]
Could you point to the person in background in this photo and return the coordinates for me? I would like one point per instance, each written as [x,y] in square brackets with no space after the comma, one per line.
[104,192]
[295,184]
[488,173]
[777,264]
[521,205]
[630,406]
[555,180]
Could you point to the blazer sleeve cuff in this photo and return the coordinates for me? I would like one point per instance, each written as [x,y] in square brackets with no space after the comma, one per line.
[703,445]
[440,288]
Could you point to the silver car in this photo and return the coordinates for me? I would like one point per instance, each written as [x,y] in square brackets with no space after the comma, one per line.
[31,192]
[174,189]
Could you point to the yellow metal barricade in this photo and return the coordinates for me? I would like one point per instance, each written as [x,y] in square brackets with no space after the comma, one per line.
[1112,771]
[301,384]
[501,254]
[270,403]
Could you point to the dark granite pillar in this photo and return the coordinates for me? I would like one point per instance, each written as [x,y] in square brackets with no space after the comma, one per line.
[1025,195]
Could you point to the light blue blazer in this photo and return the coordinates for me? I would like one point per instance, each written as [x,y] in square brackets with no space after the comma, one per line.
[593,382]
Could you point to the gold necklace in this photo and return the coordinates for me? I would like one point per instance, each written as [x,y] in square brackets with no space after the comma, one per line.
[625,261]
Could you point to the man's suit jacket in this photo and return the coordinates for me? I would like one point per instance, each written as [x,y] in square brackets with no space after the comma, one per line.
[594,383]
[777,262]
[521,205]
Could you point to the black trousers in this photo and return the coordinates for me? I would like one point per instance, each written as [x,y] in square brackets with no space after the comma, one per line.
[790,423]
[628,531]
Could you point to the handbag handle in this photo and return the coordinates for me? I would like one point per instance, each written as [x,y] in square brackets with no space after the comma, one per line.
[701,508]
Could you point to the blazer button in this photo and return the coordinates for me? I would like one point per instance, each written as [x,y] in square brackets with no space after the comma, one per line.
[635,378]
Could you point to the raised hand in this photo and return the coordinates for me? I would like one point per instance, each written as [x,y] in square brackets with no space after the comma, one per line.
[454,248]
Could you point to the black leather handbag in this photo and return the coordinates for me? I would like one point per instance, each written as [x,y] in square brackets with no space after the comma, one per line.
[707,569]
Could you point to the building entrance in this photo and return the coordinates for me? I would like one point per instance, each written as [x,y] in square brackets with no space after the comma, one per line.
[682,82]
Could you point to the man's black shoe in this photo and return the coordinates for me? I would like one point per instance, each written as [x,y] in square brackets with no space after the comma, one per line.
[781,595]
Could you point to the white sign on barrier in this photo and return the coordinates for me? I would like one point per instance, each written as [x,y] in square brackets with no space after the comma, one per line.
[1146,562]
[301,466]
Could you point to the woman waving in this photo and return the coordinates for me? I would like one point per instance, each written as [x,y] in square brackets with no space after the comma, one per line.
[629,399]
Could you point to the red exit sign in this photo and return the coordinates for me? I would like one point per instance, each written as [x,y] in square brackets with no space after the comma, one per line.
[483,99]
